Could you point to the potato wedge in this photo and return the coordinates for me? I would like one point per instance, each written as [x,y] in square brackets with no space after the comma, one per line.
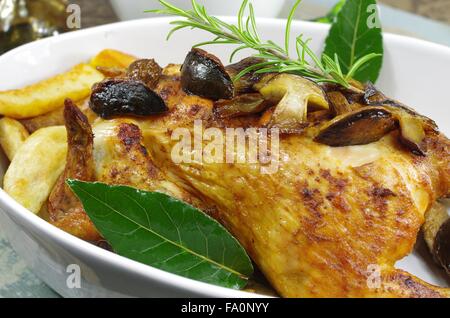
[112,59]
[36,167]
[53,118]
[56,118]
[48,95]
[12,136]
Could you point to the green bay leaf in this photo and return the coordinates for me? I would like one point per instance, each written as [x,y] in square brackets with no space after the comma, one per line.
[166,233]
[355,33]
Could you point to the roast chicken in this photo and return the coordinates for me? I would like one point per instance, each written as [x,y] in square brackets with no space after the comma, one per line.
[331,221]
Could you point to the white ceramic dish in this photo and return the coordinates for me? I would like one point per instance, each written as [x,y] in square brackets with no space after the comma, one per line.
[415,72]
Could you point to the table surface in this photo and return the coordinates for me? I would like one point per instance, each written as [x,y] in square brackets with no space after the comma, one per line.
[16,280]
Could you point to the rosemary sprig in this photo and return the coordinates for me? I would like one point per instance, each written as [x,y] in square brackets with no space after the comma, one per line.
[245,35]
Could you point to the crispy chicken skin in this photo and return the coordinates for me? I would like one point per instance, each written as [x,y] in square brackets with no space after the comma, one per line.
[114,156]
[331,222]
[329,217]
[317,226]
[64,208]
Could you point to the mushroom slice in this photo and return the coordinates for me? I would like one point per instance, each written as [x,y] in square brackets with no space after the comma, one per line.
[436,230]
[373,97]
[338,103]
[359,127]
[293,94]
[241,105]
[246,82]
[412,125]
[203,74]
[146,71]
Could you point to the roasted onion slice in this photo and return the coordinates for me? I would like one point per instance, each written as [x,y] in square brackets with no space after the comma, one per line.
[294,94]
[241,105]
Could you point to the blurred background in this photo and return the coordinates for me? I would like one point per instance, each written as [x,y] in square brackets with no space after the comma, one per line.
[23,21]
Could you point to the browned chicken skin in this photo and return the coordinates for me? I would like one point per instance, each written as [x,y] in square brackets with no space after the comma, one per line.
[64,208]
[318,226]
[321,226]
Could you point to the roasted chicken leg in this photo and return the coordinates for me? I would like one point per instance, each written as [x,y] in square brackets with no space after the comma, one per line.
[330,222]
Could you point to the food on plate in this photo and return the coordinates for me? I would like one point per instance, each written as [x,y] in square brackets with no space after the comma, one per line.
[36,166]
[328,190]
[64,209]
[48,95]
[112,59]
[125,97]
[292,95]
[204,75]
[313,228]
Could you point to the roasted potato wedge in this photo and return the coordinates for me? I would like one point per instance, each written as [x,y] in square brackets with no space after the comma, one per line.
[112,59]
[36,167]
[12,136]
[53,118]
[56,117]
[48,95]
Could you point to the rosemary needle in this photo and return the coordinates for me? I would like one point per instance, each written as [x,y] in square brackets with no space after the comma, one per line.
[245,35]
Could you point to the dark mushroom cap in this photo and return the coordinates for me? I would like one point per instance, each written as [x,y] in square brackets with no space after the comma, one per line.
[146,71]
[124,97]
[442,245]
[360,127]
[246,82]
[203,74]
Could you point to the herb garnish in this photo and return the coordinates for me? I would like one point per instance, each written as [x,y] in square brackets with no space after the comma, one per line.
[158,230]
[327,69]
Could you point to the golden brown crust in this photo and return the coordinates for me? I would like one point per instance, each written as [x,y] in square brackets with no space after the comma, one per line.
[328,215]
[64,208]
[319,226]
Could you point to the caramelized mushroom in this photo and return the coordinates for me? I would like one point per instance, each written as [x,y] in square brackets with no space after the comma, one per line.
[240,105]
[436,230]
[359,127]
[412,125]
[123,97]
[373,97]
[146,71]
[203,74]
[246,82]
[338,103]
[294,94]
[442,245]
